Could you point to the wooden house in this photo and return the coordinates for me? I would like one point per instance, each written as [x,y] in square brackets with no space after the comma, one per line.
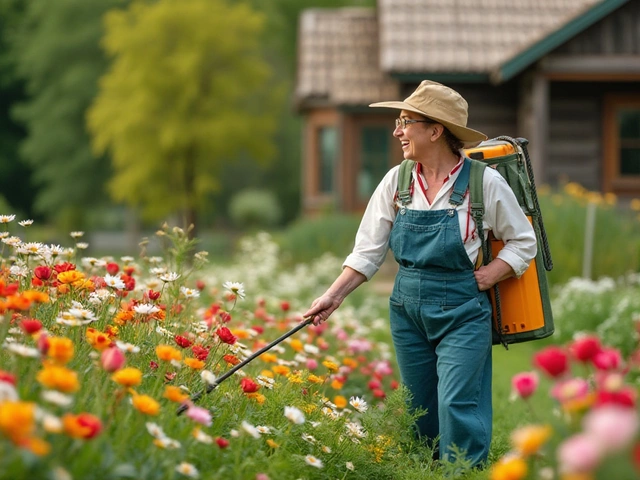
[564,74]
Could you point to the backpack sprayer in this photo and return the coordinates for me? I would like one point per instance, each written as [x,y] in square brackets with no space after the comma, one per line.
[222,378]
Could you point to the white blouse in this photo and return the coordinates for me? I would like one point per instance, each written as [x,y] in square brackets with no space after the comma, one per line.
[502,215]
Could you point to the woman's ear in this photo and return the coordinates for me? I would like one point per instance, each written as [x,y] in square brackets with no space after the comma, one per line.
[437,132]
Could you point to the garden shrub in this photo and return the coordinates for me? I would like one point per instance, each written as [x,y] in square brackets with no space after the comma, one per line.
[254,208]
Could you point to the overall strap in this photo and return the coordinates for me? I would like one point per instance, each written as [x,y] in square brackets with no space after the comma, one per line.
[460,187]
[404,181]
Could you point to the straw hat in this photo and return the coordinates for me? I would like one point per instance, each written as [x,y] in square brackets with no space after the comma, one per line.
[443,105]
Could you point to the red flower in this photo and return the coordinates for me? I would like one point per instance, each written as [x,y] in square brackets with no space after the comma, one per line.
[258,328]
[129,282]
[112,359]
[112,268]
[43,272]
[379,393]
[636,456]
[285,306]
[232,359]
[200,352]
[200,285]
[222,442]
[30,325]
[248,385]
[153,295]
[225,317]
[7,290]
[183,342]
[43,343]
[607,359]
[394,384]
[585,348]
[525,384]
[64,267]
[7,377]
[129,270]
[176,309]
[374,384]
[625,397]
[226,336]
[153,365]
[552,360]
[91,423]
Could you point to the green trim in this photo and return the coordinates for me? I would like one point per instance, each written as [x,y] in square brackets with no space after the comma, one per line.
[525,58]
[450,77]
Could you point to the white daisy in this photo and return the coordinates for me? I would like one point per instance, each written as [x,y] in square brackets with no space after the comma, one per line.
[263,429]
[7,218]
[350,466]
[294,415]
[326,449]
[126,259]
[313,461]
[76,234]
[145,309]
[12,241]
[359,404]
[31,248]
[189,292]
[250,429]
[79,313]
[21,350]
[169,277]
[155,430]
[308,438]
[25,223]
[82,245]
[208,377]
[114,281]
[154,260]
[127,347]
[236,288]
[265,381]
[56,398]
[8,392]
[202,437]
[168,443]
[355,430]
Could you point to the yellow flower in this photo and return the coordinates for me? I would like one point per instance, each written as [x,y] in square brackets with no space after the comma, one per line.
[37,446]
[272,444]
[97,339]
[145,404]
[315,379]
[258,397]
[336,384]
[269,357]
[175,394]
[281,369]
[296,345]
[194,363]
[17,420]
[168,353]
[127,377]
[60,349]
[528,439]
[241,333]
[124,316]
[267,373]
[509,468]
[333,368]
[35,296]
[71,276]
[340,401]
[294,377]
[59,378]
[635,204]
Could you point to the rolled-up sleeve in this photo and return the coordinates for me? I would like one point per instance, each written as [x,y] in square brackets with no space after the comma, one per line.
[508,222]
[372,239]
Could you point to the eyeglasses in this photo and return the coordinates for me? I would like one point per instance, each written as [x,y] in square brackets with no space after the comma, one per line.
[403,122]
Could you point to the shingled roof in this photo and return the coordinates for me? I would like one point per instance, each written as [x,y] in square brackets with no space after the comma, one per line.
[357,55]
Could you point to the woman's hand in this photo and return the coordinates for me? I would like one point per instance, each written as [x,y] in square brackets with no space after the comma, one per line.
[322,307]
[488,275]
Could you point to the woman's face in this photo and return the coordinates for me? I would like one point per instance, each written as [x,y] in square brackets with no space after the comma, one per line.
[415,139]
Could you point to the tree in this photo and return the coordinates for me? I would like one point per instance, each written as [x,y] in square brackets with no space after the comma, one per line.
[187,92]
[56,50]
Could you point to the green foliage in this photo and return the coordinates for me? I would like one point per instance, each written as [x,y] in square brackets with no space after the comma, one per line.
[616,249]
[56,52]
[253,208]
[309,238]
[187,92]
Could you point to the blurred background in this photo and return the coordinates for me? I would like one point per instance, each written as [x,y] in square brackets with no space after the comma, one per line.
[239,116]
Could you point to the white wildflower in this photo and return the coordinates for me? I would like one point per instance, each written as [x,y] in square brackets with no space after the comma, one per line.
[308,438]
[359,404]
[294,415]
[263,429]
[236,288]
[76,235]
[25,223]
[189,292]
[145,308]
[21,350]
[169,277]
[114,281]
[350,466]
[250,429]
[313,461]
[82,245]
[56,398]
[127,347]
[208,377]
[7,218]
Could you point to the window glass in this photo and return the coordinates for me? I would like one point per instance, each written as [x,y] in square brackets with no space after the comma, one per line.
[328,144]
[629,131]
[374,163]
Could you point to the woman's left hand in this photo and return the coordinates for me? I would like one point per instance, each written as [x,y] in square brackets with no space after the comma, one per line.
[488,275]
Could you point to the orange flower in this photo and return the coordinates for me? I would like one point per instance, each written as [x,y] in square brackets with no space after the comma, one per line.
[35,296]
[281,369]
[296,345]
[168,353]
[59,378]
[528,439]
[60,350]
[272,444]
[124,316]
[63,288]
[174,394]
[258,397]
[331,366]
[231,359]
[269,357]
[17,302]
[267,373]
[315,379]
[84,284]
[194,363]
[17,420]
[127,377]
[84,425]
[97,339]
[350,362]
[145,404]
[336,384]
[69,277]
[37,446]
[340,401]
[509,468]
[241,333]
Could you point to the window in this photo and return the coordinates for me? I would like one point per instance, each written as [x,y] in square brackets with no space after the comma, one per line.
[622,144]
[328,148]
[374,161]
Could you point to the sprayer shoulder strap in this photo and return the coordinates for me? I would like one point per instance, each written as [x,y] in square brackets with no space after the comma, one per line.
[404,181]
[476,200]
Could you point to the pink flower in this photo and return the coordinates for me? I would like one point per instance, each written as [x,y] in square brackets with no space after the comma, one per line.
[552,360]
[585,348]
[607,359]
[112,359]
[312,364]
[199,415]
[580,453]
[525,384]
[571,389]
[614,427]
[262,476]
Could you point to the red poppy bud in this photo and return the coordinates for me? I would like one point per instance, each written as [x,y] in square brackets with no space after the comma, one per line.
[36,282]
[183,342]
[552,360]
[129,270]
[43,344]
[153,365]
[153,295]
[226,336]
[225,317]
[248,385]
[394,384]
[222,442]
[258,329]
[112,268]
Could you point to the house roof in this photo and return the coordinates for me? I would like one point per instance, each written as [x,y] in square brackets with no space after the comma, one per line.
[357,55]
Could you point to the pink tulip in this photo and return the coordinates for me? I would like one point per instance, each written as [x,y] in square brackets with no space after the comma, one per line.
[112,359]
[199,415]
[607,359]
[525,384]
[615,427]
[580,453]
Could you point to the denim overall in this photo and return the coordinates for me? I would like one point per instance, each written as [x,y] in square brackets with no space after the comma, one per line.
[441,328]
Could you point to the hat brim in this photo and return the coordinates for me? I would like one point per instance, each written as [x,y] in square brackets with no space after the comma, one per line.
[468,136]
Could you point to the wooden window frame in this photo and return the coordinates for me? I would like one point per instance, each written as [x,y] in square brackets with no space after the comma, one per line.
[613,181]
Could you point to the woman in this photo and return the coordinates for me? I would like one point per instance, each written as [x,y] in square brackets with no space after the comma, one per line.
[440,313]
